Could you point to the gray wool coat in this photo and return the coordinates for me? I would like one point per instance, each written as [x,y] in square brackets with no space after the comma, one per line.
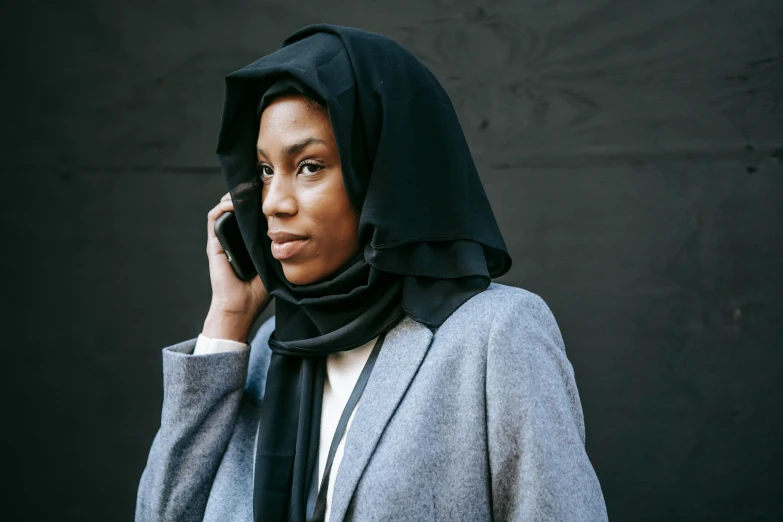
[479,420]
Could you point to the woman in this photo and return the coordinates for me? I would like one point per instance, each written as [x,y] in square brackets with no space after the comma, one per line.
[395,381]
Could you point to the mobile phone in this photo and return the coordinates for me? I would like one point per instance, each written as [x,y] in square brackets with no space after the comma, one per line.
[227,232]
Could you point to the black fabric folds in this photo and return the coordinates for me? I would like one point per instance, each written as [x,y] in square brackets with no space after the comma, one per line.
[429,240]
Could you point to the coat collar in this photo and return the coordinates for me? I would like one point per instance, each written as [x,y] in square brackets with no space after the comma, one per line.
[398,361]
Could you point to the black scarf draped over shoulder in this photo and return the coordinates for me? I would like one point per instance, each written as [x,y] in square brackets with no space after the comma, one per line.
[428,238]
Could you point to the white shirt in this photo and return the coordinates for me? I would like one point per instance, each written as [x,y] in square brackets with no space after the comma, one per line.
[342,372]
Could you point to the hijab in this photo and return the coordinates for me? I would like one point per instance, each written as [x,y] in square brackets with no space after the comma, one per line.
[428,238]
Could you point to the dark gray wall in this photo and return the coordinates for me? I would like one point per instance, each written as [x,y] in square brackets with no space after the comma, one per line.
[632,151]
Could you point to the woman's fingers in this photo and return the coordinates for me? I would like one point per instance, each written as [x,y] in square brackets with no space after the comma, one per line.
[215,213]
[214,248]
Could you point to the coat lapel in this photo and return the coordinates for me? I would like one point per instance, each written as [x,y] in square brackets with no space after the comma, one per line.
[398,361]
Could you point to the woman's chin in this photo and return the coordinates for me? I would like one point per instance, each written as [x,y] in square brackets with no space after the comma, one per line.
[300,275]
[303,270]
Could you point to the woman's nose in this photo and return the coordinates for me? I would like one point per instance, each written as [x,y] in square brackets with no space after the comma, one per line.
[280,198]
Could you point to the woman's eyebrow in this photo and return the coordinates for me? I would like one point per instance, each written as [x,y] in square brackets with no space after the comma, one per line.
[294,148]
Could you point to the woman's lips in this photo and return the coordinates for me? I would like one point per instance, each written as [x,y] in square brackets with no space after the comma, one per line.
[286,249]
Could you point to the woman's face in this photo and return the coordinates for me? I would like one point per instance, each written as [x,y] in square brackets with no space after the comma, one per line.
[312,224]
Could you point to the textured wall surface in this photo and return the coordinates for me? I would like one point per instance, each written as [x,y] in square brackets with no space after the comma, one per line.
[632,151]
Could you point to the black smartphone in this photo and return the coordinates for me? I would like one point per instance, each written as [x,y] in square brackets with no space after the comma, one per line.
[227,232]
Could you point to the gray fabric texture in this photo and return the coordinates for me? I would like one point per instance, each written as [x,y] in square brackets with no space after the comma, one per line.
[480,420]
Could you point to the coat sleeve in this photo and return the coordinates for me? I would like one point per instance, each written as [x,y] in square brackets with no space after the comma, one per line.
[201,396]
[536,436]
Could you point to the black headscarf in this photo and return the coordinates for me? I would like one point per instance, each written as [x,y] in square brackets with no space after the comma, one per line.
[429,240]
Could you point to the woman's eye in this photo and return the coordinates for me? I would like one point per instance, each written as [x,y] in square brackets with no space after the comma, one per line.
[265,171]
[314,167]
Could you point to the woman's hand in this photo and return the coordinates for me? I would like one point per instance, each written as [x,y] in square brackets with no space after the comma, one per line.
[236,304]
